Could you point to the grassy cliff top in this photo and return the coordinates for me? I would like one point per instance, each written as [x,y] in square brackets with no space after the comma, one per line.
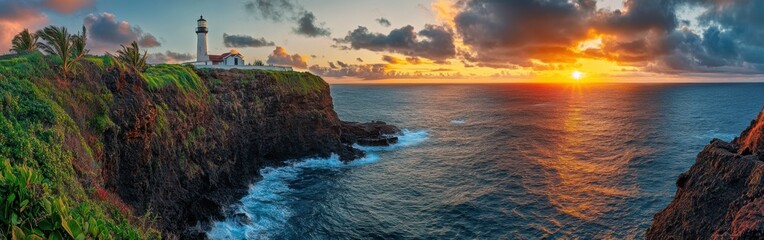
[51,133]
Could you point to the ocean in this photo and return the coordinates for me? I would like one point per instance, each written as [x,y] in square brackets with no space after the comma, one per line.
[503,161]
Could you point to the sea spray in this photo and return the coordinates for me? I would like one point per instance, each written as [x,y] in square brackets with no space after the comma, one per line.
[265,210]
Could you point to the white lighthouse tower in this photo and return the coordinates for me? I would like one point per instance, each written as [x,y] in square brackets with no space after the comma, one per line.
[201,40]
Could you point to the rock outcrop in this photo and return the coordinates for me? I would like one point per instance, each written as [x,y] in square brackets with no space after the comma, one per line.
[157,152]
[186,155]
[376,133]
[722,195]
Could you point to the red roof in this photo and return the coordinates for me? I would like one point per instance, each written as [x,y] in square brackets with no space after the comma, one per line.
[221,57]
[216,58]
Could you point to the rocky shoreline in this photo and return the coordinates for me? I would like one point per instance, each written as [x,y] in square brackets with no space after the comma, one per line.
[184,156]
[722,195]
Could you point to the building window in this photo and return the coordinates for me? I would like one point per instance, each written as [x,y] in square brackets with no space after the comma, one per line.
[235,61]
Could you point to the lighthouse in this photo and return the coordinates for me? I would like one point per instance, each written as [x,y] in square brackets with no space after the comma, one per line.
[201,40]
[229,60]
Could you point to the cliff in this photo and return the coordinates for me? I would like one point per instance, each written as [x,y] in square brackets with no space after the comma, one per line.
[150,153]
[722,195]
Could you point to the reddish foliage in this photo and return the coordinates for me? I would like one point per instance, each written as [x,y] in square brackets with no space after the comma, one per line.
[113,200]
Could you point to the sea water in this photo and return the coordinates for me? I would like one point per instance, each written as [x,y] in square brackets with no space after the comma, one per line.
[511,161]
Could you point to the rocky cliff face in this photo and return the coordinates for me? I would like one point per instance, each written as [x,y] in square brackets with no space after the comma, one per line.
[722,195]
[155,151]
[186,155]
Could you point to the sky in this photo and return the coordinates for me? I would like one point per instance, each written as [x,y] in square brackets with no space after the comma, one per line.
[429,41]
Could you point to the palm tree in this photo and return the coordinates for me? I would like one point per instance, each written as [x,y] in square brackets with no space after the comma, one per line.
[70,48]
[24,42]
[78,44]
[131,56]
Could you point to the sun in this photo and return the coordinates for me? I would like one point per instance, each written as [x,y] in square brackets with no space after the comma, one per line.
[577,75]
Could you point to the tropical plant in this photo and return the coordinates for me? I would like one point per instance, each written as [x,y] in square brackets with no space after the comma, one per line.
[131,56]
[69,48]
[24,42]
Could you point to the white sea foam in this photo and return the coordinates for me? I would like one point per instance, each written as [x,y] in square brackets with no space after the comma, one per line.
[266,207]
[407,139]
[458,121]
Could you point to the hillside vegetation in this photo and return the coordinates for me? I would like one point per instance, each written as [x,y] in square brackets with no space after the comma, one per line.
[52,150]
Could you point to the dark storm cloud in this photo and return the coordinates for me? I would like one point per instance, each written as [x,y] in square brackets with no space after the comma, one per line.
[433,42]
[648,34]
[169,57]
[730,38]
[281,57]
[506,33]
[106,33]
[384,22]
[280,10]
[245,41]
[306,26]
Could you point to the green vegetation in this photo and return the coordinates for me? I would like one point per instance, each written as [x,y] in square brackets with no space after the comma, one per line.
[131,56]
[302,82]
[183,77]
[40,196]
[51,132]
[68,48]
[24,42]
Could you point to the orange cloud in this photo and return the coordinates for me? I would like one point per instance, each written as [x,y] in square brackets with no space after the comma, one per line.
[67,6]
[14,17]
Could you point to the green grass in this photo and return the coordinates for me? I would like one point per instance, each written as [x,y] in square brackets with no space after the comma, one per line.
[51,137]
[164,75]
[40,196]
[302,82]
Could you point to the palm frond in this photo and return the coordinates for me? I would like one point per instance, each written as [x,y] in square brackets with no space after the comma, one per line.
[24,42]
[131,56]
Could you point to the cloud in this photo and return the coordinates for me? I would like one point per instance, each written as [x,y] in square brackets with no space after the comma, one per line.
[245,41]
[384,22]
[378,71]
[281,57]
[513,32]
[67,6]
[393,60]
[359,59]
[106,33]
[342,64]
[275,10]
[409,60]
[306,26]
[14,17]
[148,41]
[433,42]
[169,57]
[280,10]
[651,34]
[363,71]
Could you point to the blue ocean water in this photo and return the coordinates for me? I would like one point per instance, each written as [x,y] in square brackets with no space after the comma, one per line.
[511,161]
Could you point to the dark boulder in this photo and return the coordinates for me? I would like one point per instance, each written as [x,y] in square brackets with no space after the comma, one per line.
[375,133]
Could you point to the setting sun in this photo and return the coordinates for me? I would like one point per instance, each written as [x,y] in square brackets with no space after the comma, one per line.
[577,75]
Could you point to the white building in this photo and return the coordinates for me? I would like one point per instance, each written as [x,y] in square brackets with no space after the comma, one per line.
[229,60]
